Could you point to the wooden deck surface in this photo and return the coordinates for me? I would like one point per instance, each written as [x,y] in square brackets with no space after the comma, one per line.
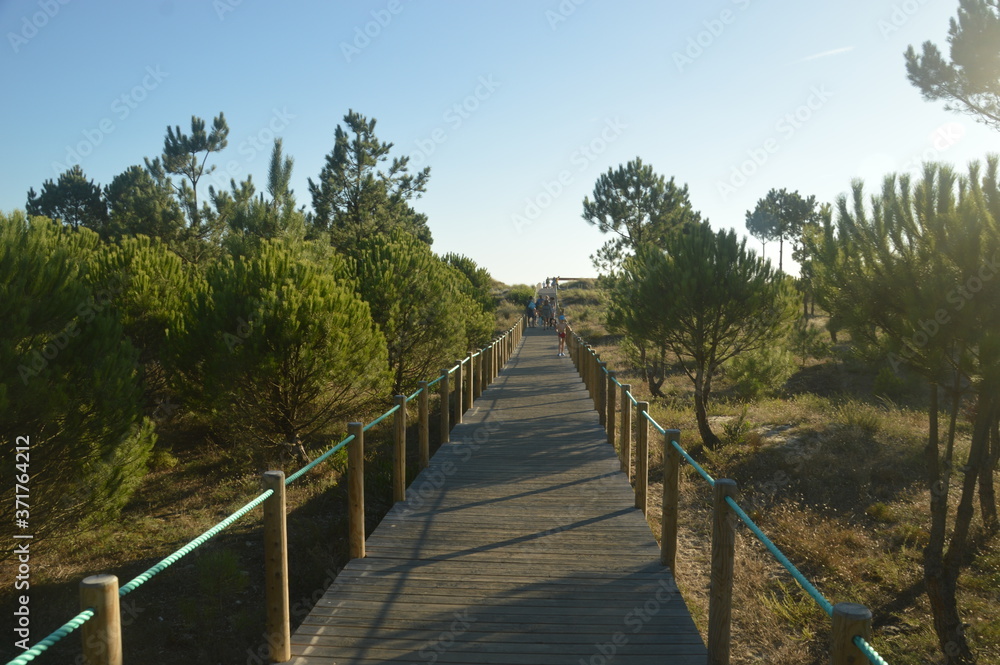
[518,544]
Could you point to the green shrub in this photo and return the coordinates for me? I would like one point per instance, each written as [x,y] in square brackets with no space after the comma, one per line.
[760,373]
[519,294]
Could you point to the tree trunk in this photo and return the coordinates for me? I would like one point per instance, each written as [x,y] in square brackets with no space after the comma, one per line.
[987,494]
[781,252]
[701,392]
[941,573]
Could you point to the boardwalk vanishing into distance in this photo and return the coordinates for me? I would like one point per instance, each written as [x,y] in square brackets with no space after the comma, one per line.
[518,544]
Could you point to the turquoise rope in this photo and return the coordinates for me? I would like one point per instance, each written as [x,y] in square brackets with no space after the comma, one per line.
[690,460]
[454,368]
[655,424]
[318,460]
[200,540]
[414,394]
[869,652]
[380,418]
[782,559]
[434,382]
[56,635]
[632,399]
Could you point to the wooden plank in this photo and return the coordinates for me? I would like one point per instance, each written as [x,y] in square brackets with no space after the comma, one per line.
[518,543]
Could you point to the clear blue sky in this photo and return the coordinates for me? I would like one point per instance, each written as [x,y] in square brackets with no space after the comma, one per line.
[550,94]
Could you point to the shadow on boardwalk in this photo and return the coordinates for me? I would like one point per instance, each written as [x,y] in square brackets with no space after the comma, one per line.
[518,544]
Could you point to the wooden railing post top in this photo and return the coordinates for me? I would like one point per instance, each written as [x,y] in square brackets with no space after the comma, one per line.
[852,611]
[726,487]
[274,475]
[399,398]
[642,406]
[354,425]
[100,581]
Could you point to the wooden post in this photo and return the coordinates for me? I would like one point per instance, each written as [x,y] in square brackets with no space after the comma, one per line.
[671,497]
[720,599]
[459,387]
[612,393]
[602,394]
[445,407]
[356,490]
[279,632]
[849,619]
[399,450]
[588,356]
[641,456]
[480,385]
[626,439]
[424,426]
[470,382]
[102,635]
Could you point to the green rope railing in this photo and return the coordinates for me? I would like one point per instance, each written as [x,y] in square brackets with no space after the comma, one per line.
[870,653]
[824,604]
[414,395]
[168,561]
[55,636]
[50,640]
[380,418]
[319,460]
[690,460]
[873,656]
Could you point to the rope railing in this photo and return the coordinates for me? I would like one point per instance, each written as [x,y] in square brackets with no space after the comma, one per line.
[824,604]
[847,618]
[380,418]
[319,460]
[690,460]
[89,613]
[52,638]
[873,656]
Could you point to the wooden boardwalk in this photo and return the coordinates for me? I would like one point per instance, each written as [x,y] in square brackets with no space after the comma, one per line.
[518,544]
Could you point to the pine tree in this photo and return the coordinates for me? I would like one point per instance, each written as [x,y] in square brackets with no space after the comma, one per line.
[353,198]
[915,275]
[418,303]
[279,349]
[139,205]
[67,378]
[970,82]
[72,200]
[706,298]
[638,206]
[781,216]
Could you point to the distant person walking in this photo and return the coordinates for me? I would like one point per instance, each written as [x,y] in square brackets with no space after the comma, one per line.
[547,313]
[531,312]
[561,327]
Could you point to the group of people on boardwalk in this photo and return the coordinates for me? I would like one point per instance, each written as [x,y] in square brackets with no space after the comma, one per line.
[544,309]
